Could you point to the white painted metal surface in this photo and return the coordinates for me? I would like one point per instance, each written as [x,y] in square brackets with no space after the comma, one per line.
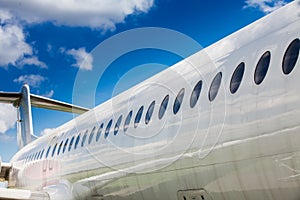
[240,146]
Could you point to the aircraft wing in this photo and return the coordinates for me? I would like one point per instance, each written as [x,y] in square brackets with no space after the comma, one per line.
[42,102]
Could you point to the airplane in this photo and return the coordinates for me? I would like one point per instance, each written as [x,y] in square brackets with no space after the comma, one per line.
[222,124]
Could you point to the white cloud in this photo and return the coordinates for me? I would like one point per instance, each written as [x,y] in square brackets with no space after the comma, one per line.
[47,131]
[49,94]
[8,117]
[103,14]
[32,61]
[265,6]
[5,16]
[13,46]
[32,80]
[83,59]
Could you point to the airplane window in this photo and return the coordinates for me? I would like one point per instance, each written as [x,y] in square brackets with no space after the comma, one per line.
[195,94]
[149,112]
[291,56]
[262,68]
[71,143]
[92,134]
[59,147]
[138,117]
[117,125]
[107,129]
[163,107]
[214,87]
[34,156]
[47,153]
[38,155]
[77,141]
[54,148]
[237,77]
[84,138]
[65,146]
[99,132]
[178,101]
[42,154]
[127,121]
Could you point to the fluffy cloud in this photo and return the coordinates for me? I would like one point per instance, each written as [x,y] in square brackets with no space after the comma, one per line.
[265,6]
[84,60]
[32,61]
[13,47]
[49,94]
[102,14]
[8,117]
[32,80]
[47,131]
[12,44]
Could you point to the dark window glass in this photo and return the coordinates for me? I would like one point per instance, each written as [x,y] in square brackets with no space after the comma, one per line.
[54,148]
[84,138]
[214,87]
[138,117]
[38,155]
[34,157]
[92,135]
[163,107]
[149,112]
[71,143]
[65,145]
[77,141]
[59,147]
[237,77]
[117,126]
[262,68]
[291,56]
[99,132]
[178,101]
[107,129]
[127,121]
[48,151]
[42,154]
[195,94]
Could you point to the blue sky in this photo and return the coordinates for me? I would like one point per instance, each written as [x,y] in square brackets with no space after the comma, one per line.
[44,45]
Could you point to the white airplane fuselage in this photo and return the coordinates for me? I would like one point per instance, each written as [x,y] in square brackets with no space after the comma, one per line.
[242,145]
